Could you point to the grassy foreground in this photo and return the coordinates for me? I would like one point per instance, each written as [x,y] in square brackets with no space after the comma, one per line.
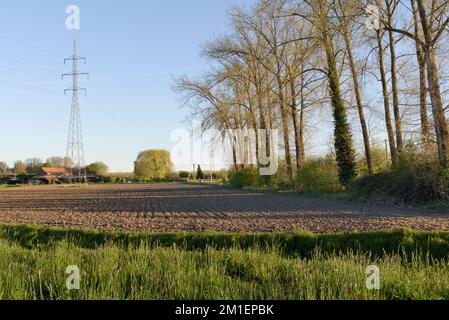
[33,261]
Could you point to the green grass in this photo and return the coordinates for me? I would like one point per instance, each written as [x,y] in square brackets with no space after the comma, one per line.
[6,186]
[113,265]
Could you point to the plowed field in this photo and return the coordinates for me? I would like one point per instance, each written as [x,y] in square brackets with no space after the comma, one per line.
[173,208]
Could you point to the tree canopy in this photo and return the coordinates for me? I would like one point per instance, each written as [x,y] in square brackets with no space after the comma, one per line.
[153,165]
[97,168]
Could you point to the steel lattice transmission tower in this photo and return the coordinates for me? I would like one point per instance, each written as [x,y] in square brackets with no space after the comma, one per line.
[75,146]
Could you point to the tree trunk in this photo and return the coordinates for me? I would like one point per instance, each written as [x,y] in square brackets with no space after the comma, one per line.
[285,129]
[284,115]
[302,114]
[433,79]
[296,124]
[358,96]
[425,125]
[437,106]
[343,138]
[255,127]
[394,80]
[390,132]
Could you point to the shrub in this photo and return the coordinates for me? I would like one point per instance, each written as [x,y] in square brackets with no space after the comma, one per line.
[244,178]
[416,178]
[278,181]
[379,159]
[184,175]
[319,175]
[109,179]
[173,176]
[223,175]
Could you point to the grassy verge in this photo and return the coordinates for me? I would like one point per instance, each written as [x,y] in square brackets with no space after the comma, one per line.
[113,265]
[6,186]
[341,196]
[296,244]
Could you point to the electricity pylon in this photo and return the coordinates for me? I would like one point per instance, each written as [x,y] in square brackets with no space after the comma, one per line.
[75,146]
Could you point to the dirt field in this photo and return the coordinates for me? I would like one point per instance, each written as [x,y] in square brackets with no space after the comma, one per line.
[168,207]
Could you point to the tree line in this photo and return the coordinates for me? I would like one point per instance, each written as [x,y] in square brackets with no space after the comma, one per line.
[33,166]
[366,64]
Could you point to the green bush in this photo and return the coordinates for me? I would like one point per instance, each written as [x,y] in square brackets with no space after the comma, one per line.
[250,177]
[379,159]
[109,179]
[184,175]
[415,179]
[120,180]
[223,175]
[172,177]
[319,175]
[244,178]
[278,181]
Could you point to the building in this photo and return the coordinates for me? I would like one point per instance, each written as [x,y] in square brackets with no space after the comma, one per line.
[51,176]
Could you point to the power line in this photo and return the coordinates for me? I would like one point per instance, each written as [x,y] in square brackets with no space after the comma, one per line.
[23,86]
[28,45]
[110,102]
[29,65]
[120,122]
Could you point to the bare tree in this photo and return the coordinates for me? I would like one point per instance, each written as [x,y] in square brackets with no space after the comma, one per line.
[425,125]
[434,19]
[386,98]
[389,11]
[340,8]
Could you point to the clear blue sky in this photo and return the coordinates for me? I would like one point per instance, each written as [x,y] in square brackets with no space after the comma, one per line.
[134,48]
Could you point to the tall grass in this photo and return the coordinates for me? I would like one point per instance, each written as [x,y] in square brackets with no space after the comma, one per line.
[293,244]
[144,272]
[33,261]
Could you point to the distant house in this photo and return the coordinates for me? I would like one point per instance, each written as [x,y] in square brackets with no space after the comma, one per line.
[50,175]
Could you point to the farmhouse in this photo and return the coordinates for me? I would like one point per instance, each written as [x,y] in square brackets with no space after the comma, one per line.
[50,175]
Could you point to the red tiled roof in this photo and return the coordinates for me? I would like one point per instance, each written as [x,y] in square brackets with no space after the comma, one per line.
[55,170]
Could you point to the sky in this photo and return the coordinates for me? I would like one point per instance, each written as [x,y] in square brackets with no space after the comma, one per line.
[134,50]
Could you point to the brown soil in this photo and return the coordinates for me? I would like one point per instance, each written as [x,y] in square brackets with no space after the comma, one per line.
[171,207]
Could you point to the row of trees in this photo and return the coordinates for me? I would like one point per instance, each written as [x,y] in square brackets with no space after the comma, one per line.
[149,165]
[34,165]
[288,62]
